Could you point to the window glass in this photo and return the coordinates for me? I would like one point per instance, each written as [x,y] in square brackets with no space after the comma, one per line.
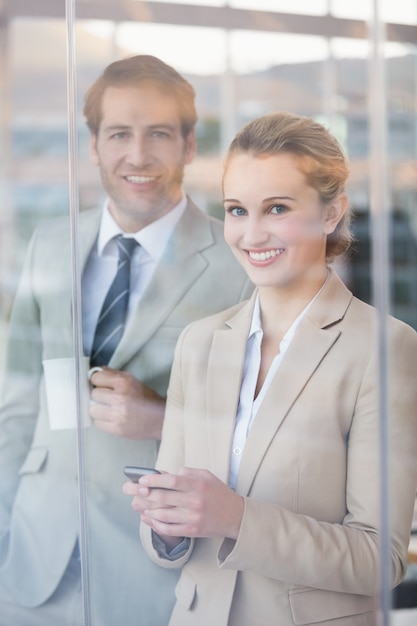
[69,545]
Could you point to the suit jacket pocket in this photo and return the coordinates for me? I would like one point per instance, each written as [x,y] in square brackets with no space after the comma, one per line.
[34,461]
[312,606]
[185,591]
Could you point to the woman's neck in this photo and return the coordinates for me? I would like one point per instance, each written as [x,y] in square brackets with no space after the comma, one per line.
[281,307]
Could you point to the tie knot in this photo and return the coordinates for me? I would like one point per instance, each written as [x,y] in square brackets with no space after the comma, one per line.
[126,247]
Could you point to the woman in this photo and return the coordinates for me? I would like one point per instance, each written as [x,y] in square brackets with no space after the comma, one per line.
[270,500]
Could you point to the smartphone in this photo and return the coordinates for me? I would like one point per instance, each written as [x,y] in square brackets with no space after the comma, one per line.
[134,473]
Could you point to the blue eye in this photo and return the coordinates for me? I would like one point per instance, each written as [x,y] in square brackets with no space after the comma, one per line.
[120,135]
[278,209]
[236,211]
[160,134]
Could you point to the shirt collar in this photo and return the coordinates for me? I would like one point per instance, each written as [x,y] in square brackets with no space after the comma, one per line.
[152,238]
[256,318]
[256,325]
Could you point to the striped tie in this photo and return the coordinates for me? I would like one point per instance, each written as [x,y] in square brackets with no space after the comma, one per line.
[111,323]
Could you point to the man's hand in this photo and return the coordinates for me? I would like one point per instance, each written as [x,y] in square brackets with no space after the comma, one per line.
[123,406]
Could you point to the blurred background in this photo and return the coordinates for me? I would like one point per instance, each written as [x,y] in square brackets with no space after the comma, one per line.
[244,58]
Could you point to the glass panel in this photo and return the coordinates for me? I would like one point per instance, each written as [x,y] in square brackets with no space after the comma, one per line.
[39,519]
[69,547]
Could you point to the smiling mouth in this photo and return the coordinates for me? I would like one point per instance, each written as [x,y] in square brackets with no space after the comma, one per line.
[140,180]
[266,255]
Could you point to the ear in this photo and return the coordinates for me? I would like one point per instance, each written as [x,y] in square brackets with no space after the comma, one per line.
[190,147]
[93,149]
[334,213]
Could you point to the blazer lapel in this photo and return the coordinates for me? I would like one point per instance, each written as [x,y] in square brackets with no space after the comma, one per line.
[304,354]
[313,340]
[180,266]
[89,225]
[88,232]
[224,376]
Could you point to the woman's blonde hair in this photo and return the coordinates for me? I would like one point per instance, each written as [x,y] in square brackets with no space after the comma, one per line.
[321,159]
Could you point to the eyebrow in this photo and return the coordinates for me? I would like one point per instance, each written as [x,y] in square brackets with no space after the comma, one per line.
[162,125]
[274,198]
[115,127]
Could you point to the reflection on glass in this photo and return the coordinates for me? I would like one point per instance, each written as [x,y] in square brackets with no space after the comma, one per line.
[266,71]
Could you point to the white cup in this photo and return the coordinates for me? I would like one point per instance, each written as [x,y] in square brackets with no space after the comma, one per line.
[60,387]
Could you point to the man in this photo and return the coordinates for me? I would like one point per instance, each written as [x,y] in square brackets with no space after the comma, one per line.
[141,116]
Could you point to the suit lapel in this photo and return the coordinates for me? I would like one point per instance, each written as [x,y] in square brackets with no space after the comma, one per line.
[306,351]
[224,376]
[313,340]
[88,231]
[180,267]
[89,225]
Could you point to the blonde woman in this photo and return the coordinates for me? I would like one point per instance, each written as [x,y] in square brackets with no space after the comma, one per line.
[270,448]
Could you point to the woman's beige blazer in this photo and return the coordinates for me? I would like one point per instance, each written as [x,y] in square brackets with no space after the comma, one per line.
[308,550]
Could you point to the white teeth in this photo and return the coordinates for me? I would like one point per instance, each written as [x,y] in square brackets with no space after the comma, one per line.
[140,179]
[264,256]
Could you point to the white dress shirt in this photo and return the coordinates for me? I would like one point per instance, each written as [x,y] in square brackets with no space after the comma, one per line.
[101,265]
[248,405]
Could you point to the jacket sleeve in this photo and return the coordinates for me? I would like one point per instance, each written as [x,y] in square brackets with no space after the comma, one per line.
[171,453]
[20,388]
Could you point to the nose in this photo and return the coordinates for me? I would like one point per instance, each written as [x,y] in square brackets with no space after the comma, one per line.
[138,154]
[255,234]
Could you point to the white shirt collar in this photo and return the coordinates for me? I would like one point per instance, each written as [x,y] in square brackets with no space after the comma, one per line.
[256,326]
[152,238]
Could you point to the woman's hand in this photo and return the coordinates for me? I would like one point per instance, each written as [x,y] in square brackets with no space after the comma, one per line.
[193,503]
